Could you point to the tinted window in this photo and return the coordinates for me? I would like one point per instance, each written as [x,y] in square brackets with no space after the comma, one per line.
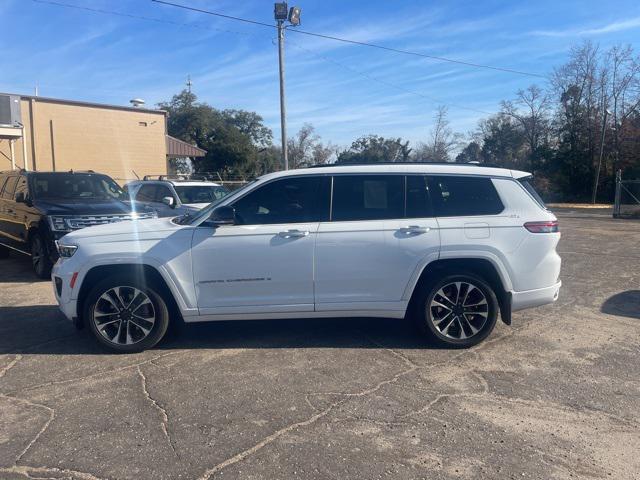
[290,200]
[22,187]
[76,186]
[367,197]
[418,202]
[463,196]
[3,180]
[532,191]
[147,193]
[9,187]
[200,193]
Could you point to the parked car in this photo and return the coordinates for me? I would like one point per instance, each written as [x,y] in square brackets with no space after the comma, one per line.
[177,195]
[39,208]
[449,246]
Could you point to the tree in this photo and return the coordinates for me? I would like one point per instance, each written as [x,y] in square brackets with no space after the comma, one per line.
[502,141]
[531,111]
[376,149]
[235,140]
[443,140]
[471,153]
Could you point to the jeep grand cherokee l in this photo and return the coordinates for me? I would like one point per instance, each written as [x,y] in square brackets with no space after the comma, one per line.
[38,208]
[449,246]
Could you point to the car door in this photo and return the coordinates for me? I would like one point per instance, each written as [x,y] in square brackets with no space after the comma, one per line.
[367,254]
[151,195]
[263,263]
[9,218]
[21,209]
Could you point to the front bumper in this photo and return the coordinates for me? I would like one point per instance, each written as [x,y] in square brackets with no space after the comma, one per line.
[534,298]
[66,304]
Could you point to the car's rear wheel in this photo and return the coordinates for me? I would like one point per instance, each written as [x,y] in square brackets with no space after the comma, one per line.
[126,313]
[40,257]
[458,310]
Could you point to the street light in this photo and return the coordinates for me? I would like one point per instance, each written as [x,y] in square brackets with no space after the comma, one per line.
[597,179]
[282,14]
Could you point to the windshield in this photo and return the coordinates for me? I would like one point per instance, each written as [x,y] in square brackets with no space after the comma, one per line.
[200,193]
[74,186]
[206,211]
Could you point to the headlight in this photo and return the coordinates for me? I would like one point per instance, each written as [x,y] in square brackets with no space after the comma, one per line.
[58,224]
[66,251]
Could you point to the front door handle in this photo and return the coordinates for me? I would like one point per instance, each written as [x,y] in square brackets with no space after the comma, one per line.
[414,229]
[293,233]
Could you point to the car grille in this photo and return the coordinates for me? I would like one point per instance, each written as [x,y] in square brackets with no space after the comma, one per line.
[76,223]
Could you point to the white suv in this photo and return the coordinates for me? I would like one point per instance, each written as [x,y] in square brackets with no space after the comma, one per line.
[448,245]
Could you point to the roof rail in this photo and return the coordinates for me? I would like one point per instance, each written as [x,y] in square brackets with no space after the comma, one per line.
[205,177]
[361,164]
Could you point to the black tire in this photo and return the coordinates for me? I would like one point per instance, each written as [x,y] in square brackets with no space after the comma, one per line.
[40,257]
[4,252]
[96,308]
[470,320]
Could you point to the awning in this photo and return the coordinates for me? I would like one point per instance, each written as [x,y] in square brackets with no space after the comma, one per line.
[179,149]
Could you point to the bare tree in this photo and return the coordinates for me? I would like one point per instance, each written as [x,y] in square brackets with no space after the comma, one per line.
[443,142]
[531,110]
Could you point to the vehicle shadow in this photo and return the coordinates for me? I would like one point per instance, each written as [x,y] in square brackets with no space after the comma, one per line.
[43,330]
[17,268]
[623,304]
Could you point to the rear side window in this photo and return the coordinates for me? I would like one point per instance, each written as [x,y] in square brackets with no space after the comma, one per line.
[458,196]
[367,197]
[526,183]
[9,187]
[418,203]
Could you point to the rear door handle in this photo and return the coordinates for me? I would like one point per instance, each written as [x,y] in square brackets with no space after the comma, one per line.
[293,233]
[413,229]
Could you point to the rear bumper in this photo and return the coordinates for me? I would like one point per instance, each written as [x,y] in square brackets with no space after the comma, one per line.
[534,298]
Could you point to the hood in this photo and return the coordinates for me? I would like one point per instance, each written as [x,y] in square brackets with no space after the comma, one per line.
[78,206]
[136,229]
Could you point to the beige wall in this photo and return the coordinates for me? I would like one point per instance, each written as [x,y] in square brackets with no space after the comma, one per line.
[85,137]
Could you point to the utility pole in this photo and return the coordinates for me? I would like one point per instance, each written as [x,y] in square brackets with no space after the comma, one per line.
[189,83]
[283,103]
[597,179]
[281,14]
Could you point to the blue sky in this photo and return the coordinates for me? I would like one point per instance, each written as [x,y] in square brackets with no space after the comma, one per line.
[344,91]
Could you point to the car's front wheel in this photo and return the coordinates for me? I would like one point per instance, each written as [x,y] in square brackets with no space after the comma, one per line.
[126,313]
[458,310]
[40,257]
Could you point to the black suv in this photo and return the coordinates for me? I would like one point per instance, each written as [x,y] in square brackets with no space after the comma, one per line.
[38,208]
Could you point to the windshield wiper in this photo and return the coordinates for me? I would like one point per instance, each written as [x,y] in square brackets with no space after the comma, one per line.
[182,220]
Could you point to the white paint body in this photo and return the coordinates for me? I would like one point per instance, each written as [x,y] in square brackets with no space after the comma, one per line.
[327,269]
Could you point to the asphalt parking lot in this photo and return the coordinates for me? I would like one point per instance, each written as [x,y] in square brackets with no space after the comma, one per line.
[556,395]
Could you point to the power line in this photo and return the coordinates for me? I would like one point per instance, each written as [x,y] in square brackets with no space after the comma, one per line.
[388,84]
[136,17]
[355,42]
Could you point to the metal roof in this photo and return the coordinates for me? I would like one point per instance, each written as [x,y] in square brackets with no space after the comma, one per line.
[178,148]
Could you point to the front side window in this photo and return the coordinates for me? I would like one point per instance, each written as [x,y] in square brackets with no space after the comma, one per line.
[460,196]
[75,186]
[22,187]
[9,187]
[147,193]
[367,197]
[289,200]
[200,193]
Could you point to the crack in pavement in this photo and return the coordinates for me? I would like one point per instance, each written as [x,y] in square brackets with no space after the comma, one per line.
[52,415]
[10,365]
[160,408]
[96,374]
[28,470]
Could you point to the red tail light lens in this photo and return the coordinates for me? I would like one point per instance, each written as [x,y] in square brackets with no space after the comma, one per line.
[542,227]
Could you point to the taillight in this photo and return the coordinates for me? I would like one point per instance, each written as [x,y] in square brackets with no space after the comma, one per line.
[542,227]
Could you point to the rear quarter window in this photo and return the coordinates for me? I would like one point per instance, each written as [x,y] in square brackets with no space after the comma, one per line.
[461,196]
[526,183]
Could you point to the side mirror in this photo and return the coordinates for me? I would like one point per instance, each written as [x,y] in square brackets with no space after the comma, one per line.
[20,198]
[168,201]
[223,216]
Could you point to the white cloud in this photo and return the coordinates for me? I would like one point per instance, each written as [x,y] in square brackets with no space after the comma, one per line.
[617,26]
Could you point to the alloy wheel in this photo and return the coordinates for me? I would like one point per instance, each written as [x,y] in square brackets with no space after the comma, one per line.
[459,310]
[124,315]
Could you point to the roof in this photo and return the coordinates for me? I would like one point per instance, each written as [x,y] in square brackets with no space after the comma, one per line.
[86,104]
[433,168]
[179,148]
[177,183]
